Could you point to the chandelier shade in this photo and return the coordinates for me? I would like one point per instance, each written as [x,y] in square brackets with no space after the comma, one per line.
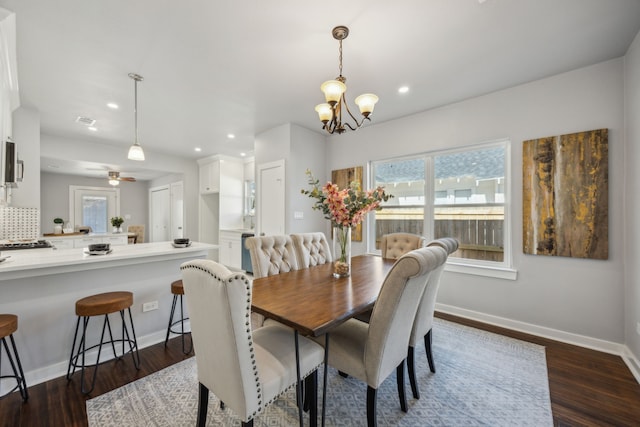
[135,151]
[330,112]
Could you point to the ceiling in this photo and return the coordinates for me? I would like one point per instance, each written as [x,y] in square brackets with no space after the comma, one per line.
[213,68]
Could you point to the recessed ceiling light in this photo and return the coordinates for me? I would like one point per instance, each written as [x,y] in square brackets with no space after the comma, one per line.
[198,149]
[403,89]
[113,105]
[243,154]
[230,136]
[53,166]
[92,129]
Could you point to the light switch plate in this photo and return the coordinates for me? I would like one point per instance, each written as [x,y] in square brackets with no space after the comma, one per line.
[298,215]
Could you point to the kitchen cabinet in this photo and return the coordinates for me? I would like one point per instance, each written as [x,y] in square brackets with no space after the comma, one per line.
[84,241]
[230,251]
[62,243]
[210,177]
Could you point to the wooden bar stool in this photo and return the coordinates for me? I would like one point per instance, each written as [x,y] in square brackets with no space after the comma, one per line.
[98,305]
[178,291]
[8,325]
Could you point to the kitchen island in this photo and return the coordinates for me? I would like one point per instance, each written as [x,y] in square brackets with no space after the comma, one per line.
[41,286]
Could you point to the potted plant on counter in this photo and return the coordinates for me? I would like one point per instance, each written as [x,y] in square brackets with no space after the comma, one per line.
[116,222]
[57,228]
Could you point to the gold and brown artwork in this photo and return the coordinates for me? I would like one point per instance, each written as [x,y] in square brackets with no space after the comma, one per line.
[565,195]
[342,178]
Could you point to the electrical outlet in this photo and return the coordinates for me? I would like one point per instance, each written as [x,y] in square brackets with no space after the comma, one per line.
[148,306]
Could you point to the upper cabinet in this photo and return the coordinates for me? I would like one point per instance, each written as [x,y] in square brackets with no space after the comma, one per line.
[210,176]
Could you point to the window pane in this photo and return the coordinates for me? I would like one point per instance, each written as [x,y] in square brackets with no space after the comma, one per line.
[94,213]
[405,211]
[469,202]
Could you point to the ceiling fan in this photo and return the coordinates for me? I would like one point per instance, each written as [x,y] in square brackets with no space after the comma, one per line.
[115,178]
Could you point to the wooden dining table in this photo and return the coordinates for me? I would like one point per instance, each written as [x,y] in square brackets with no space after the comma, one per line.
[312,301]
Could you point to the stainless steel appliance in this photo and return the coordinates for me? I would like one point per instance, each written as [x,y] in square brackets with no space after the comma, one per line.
[246,257]
[8,245]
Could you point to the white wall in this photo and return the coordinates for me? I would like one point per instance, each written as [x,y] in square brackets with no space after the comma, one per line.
[55,198]
[26,134]
[53,146]
[301,149]
[632,202]
[579,296]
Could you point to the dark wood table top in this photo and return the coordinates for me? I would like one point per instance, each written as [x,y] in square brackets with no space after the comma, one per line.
[312,301]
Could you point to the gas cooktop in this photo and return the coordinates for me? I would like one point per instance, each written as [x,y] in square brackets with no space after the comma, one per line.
[32,244]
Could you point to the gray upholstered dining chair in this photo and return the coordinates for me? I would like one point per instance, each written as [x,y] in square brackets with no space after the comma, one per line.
[371,351]
[245,369]
[423,322]
[394,245]
[311,249]
[270,255]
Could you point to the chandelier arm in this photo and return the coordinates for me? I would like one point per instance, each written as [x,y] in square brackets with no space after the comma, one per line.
[358,125]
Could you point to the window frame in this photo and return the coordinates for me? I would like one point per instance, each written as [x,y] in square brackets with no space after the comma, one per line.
[503,269]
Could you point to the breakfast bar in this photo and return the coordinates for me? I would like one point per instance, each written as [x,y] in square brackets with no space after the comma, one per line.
[41,286]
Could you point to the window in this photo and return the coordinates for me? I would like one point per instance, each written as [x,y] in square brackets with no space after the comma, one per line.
[93,207]
[459,194]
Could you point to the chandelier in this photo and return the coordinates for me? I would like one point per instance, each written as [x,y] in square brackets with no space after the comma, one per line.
[135,151]
[330,113]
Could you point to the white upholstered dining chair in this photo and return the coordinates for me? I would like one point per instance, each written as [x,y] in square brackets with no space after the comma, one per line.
[270,255]
[394,245]
[371,351]
[311,249]
[246,370]
[423,322]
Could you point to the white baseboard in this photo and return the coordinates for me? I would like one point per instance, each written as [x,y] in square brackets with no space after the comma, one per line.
[59,369]
[554,334]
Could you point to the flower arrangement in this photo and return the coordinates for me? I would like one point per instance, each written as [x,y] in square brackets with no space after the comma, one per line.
[117,221]
[345,209]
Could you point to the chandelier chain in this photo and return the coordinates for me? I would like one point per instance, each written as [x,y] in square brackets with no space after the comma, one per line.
[340,50]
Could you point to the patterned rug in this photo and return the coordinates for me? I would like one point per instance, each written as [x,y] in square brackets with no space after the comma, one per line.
[482,379]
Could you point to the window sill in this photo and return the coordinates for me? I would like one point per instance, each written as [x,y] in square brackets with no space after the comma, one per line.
[482,270]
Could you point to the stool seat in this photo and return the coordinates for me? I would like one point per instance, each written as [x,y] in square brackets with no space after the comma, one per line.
[8,324]
[108,302]
[177,288]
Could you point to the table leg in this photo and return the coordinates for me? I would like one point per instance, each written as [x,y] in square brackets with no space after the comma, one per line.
[299,383]
[324,382]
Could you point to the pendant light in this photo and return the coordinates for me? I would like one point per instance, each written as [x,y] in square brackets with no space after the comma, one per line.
[135,151]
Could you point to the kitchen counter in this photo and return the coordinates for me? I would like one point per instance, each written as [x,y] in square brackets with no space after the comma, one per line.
[41,286]
[38,262]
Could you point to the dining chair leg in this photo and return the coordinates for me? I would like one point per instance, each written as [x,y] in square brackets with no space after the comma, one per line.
[311,397]
[401,393]
[427,346]
[203,403]
[248,423]
[343,374]
[371,407]
[412,372]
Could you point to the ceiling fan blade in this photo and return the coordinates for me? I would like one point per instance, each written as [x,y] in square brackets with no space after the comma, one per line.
[127,178]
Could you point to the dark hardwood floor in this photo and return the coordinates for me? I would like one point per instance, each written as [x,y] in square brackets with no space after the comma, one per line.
[587,387]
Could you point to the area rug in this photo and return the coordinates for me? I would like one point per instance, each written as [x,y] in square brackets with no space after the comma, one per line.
[481,379]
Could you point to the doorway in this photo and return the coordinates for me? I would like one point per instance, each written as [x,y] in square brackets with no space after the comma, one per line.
[271,201]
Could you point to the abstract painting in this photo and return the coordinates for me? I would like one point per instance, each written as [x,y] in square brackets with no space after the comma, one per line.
[342,178]
[565,195]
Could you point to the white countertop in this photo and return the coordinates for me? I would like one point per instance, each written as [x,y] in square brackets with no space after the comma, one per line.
[38,262]
[238,230]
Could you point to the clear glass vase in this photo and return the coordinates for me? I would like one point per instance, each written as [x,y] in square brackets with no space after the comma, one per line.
[341,251]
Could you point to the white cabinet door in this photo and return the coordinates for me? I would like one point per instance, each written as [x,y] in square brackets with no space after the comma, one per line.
[210,178]
[83,242]
[230,252]
[235,254]
[62,243]
[116,240]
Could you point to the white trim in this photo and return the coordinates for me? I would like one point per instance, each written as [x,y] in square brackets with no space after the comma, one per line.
[486,271]
[632,362]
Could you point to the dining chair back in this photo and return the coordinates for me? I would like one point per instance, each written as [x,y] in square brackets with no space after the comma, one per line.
[311,249]
[246,370]
[394,245]
[271,255]
[371,351]
[138,230]
[423,323]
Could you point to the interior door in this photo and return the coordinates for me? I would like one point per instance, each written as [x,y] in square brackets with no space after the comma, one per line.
[160,214]
[271,201]
[177,210]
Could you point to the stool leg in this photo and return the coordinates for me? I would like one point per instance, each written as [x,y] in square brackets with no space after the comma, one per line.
[173,309]
[24,391]
[133,343]
[182,329]
[95,368]
[73,347]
